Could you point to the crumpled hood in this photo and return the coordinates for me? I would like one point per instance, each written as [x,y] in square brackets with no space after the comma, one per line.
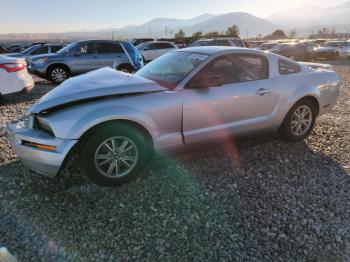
[325,49]
[96,84]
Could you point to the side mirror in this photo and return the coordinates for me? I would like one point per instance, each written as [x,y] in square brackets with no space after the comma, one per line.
[147,48]
[208,80]
[77,52]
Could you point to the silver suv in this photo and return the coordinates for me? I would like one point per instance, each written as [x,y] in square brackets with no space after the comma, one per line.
[84,56]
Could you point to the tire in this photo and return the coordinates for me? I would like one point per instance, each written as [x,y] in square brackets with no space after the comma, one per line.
[289,128]
[58,74]
[126,69]
[99,161]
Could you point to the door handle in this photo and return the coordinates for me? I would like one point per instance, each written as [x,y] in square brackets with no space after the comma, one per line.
[263,91]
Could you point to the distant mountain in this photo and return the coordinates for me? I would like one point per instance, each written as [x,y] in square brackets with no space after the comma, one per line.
[309,16]
[205,23]
[247,23]
[305,19]
[158,26]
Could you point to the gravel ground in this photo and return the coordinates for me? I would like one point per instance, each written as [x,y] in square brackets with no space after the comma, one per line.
[254,199]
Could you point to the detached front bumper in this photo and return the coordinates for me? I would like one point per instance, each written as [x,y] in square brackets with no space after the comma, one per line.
[45,162]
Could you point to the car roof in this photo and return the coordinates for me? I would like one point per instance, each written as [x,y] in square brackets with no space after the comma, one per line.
[151,42]
[210,50]
[99,41]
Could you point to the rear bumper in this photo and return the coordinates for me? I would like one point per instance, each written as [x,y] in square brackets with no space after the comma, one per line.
[16,83]
[329,97]
[37,72]
[47,163]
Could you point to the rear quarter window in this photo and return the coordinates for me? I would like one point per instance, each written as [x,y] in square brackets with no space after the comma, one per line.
[109,48]
[288,68]
[41,50]
[55,48]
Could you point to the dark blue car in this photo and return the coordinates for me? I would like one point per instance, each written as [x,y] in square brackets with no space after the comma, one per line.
[84,56]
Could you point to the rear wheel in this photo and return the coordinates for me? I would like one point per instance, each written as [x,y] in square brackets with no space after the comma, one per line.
[58,74]
[115,154]
[300,121]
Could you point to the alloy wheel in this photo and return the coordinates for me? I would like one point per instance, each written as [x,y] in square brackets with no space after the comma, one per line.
[116,157]
[59,75]
[301,120]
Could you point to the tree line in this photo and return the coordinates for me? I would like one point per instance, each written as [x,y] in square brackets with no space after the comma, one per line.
[234,31]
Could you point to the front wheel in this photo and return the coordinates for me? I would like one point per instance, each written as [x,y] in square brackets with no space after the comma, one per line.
[58,74]
[115,154]
[300,121]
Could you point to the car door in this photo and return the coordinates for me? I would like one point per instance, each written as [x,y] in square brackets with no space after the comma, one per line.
[150,52]
[84,58]
[244,102]
[109,53]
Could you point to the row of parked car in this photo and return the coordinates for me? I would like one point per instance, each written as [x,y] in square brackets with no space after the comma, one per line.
[57,62]
[308,50]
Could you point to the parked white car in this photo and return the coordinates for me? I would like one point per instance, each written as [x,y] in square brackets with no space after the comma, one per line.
[14,76]
[153,50]
[333,50]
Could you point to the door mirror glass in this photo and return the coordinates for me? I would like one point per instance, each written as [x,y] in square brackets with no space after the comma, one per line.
[78,51]
[81,50]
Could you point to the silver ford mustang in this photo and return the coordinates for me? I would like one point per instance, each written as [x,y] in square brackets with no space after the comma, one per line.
[183,98]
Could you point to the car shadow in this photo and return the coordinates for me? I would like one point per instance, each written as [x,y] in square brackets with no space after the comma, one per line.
[39,90]
[254,198]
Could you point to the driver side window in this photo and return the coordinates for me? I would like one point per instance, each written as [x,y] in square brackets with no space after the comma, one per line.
[88,49]
[230,69]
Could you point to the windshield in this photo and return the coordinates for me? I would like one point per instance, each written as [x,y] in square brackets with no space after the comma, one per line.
[68,48]
[30,49]
[171,68]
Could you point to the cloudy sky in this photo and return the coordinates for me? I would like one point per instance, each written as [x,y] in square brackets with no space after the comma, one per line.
[36,16]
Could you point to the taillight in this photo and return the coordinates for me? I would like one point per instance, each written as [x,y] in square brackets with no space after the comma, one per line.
[10,68]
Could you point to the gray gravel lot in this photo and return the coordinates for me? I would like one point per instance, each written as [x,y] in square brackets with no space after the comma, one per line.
[254,199]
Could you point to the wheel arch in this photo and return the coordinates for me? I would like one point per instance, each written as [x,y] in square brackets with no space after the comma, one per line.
[309,97]
[314,100]
[140,127]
